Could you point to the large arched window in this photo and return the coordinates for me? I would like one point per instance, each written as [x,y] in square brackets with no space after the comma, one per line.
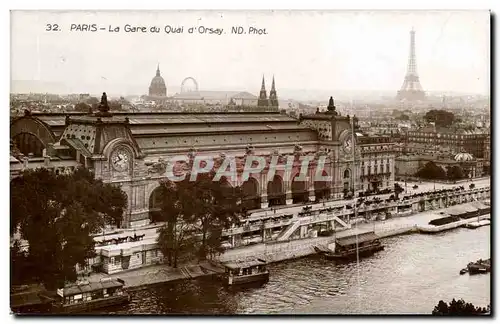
[275,194]
[251,198]
[155,204]
[322,188]
[300,194]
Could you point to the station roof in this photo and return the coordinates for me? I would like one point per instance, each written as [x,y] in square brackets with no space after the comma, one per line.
[58,119]
[146,124]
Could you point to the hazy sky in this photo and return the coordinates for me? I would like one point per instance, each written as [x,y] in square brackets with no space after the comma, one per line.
[303,49]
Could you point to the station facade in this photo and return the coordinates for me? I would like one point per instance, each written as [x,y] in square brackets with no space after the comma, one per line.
[127,149]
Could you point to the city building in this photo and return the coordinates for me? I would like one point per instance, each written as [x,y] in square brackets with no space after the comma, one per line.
[239,98]
[141,140]
[455,140]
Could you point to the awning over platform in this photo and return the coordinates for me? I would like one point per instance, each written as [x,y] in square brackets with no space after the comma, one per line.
[360,238]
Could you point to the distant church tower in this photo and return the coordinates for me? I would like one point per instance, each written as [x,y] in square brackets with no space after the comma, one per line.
[263,102]
[273,97]
[158,87]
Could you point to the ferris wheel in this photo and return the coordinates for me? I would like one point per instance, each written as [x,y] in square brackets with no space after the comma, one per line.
[189,84]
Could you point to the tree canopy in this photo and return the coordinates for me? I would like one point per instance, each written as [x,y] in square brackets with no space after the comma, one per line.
[403,117]
[195,213]
[431,171]
[83,107]
[92,101]
[440,117]
[455,173]
[57,214]
[458,307]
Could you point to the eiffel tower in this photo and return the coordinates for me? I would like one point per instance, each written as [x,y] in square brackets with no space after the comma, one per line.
[411,89]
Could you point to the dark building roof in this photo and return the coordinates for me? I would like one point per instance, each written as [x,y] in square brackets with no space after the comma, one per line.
[244,264]
[360,238]
[153,123]
[91,286]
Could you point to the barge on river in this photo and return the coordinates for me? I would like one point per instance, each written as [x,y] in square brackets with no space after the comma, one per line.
[457,216]
[246,272]
[86,296]
[480,266]
[350,247]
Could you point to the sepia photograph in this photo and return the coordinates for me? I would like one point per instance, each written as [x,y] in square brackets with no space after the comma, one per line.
[237,162]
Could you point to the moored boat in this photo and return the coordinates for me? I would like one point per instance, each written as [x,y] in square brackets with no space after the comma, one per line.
[475,225]
[480,266]
[86,296]
[238,273]
[351,247]
[476,268]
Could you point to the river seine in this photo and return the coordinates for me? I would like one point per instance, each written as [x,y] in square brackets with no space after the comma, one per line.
[410,276]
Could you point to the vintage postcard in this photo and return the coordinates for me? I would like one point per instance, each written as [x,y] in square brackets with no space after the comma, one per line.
[250,162]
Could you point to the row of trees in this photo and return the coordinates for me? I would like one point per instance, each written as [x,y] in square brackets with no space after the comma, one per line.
[57,215]
[195,213]
[432,171]
[459,307]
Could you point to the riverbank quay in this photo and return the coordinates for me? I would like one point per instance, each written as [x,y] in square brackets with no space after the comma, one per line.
[140,278]
[280,251]
[33,297]
[272,252]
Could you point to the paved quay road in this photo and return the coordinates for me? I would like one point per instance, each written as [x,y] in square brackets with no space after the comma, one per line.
[151,230]
[410,276]
[429,186]
[422,187]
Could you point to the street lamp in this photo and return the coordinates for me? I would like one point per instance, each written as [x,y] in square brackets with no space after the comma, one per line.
[406,182]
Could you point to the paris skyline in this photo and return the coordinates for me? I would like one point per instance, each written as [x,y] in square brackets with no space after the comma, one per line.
[303,49]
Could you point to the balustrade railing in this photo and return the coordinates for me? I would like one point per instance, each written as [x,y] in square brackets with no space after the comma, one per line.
[325,213]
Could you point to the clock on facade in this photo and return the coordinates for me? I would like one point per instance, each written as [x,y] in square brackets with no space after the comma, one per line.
[120,159]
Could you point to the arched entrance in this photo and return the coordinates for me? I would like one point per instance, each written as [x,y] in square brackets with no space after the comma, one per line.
[155,202]
[251,198]
[322,188]
[275,193]
[300,194]
[347,181]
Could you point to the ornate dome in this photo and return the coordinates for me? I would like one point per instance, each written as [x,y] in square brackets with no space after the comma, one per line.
[158,87]
[462,157]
